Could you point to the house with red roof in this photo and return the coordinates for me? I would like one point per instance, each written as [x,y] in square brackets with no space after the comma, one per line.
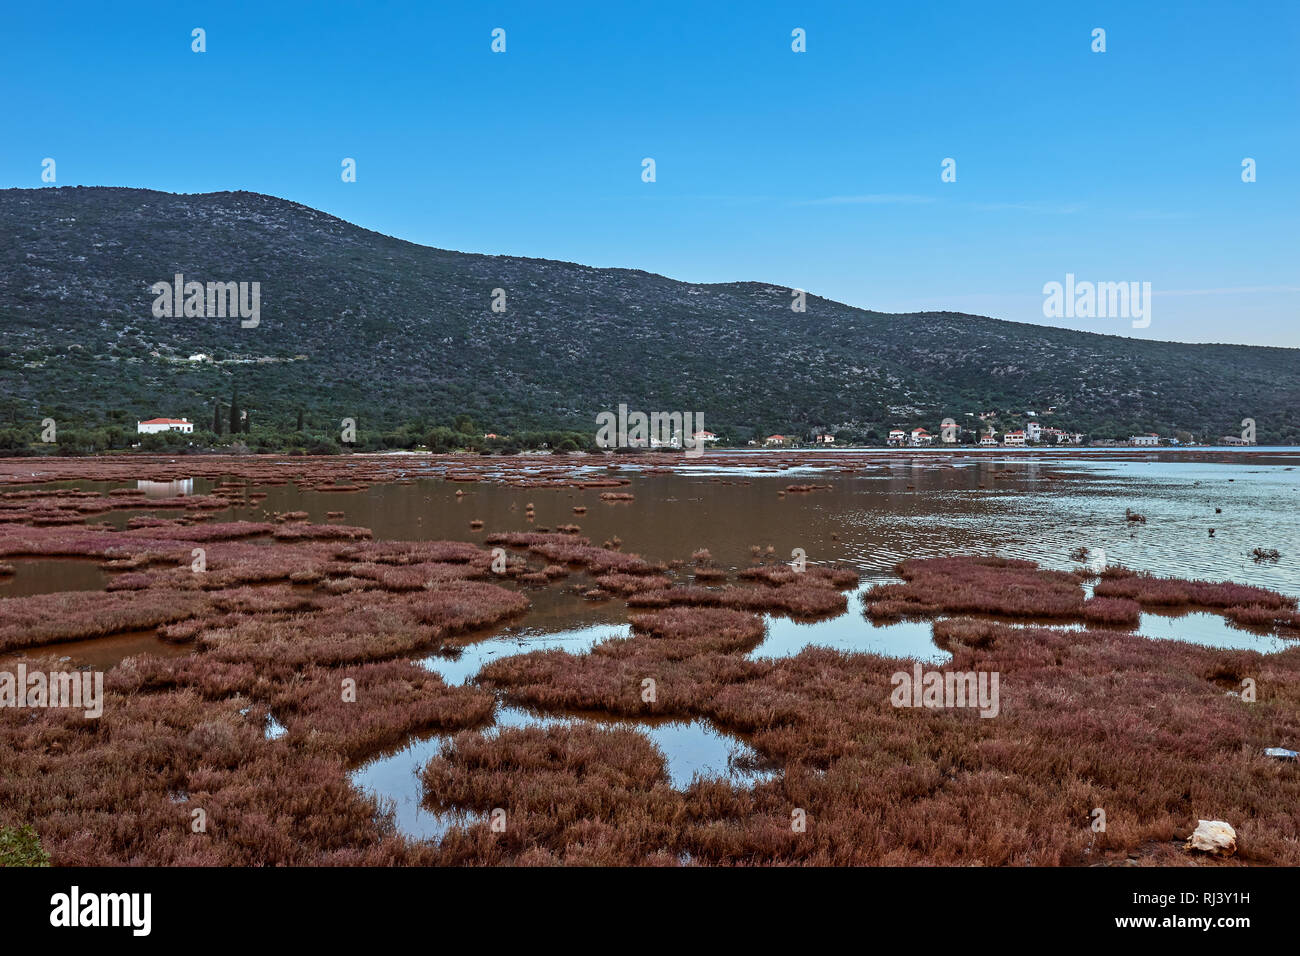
[155,425]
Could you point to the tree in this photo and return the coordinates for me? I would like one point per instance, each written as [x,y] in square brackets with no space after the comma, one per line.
[216,419]
[234,412]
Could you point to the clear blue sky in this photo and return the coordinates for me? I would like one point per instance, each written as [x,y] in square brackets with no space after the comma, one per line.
[819,170]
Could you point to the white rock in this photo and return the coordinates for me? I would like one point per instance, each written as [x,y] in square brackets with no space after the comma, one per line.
[1214,836]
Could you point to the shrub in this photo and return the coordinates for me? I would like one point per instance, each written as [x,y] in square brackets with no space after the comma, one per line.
[20,846]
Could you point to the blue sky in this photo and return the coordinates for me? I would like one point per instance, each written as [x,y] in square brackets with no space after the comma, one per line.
[818,170]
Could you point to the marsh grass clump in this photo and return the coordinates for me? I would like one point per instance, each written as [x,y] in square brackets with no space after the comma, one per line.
[966,632]
[621,583]
[321,532]
[1265,555]
[393,699]
[1014,588]
[1149,590]
[1284,621]
[580,795]
[41,619]
[972,585]
[683,632]
[814,576]
[1112,611]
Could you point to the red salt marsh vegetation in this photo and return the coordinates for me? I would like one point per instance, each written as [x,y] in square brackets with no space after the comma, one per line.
[1018,588]
[282,627]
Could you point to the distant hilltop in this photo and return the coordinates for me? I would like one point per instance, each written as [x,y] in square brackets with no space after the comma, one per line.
[354,324]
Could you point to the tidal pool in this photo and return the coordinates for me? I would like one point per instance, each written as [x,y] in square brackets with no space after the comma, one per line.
[690,748]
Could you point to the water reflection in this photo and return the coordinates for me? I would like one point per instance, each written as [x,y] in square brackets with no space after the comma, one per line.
[166,489]
[691,749]
[852,631]
[44,575]
[517,640]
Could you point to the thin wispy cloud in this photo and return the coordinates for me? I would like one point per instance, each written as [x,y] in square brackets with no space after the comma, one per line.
[1044,208]
[886,199]
[870,199]
[1240,290]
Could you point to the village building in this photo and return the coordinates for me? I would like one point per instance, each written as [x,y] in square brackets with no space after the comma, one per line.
[155,425]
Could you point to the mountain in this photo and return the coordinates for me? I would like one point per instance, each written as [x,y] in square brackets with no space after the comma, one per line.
[362,325]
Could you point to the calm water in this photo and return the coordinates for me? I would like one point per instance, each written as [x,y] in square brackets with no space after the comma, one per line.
[691,749]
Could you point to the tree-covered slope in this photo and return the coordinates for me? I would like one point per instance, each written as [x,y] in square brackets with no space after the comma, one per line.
[357,324]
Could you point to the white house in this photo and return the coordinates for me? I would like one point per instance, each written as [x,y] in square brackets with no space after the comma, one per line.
[703,436]
[1033,431]
[154,425]
[1149,439]
[921,437]
[989,438]
[1014,438]
[897,436]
